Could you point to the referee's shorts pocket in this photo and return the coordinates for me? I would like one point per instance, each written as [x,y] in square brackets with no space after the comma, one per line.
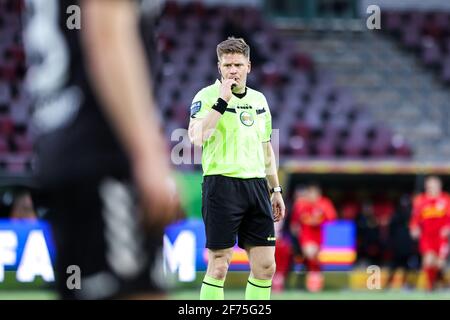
[209,188]
[210,185]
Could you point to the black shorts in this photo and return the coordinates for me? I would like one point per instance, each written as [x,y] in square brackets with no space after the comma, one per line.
[96,227]
[237,207]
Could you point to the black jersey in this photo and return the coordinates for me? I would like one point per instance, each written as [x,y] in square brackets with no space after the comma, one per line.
[74,139]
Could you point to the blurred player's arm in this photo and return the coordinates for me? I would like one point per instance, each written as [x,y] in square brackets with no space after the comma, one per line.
[330,211]
[201,129]
[294,225]
[118,70]
[414,224]
[445,231]
[272,178]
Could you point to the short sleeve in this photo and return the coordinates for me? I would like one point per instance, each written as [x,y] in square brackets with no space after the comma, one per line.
[200,105]
[267,122]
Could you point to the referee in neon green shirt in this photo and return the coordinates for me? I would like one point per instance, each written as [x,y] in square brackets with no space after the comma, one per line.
[241,195]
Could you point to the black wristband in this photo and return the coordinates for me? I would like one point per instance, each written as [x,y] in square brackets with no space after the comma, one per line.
[220,105]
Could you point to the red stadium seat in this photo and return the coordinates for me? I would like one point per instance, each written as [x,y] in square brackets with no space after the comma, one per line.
[6,126]
[4,148]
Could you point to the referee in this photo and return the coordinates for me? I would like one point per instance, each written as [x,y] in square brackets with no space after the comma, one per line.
[233,125]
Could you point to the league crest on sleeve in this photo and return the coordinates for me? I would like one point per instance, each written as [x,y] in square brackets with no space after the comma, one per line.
[195,108]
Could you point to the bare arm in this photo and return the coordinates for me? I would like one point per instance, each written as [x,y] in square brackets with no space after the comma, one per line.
[118,70]
[278,206]
[119,73]
[271,165]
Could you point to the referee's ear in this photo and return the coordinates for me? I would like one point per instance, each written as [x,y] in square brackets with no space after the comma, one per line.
[218,69]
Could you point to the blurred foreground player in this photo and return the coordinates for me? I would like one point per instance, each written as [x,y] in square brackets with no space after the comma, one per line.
[430,223]
[308,217]
[101,157]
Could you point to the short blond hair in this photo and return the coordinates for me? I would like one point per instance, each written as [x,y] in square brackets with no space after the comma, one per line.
[233,45]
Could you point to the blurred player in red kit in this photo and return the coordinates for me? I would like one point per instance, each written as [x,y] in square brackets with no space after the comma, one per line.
[285,247]
[430,223]
[283,257]
[308,217]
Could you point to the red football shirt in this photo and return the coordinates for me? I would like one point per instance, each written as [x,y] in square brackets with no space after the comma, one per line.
[311,216]
[431,214]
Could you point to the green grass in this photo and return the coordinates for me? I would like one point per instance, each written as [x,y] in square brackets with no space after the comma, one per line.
[287,295]
[328,295]
[27,295]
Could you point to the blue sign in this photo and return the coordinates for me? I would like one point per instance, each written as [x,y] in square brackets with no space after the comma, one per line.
[26,246]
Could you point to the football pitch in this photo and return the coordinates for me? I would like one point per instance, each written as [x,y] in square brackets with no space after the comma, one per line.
[287,295]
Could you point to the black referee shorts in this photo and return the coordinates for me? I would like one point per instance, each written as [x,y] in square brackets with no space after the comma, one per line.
[237,207]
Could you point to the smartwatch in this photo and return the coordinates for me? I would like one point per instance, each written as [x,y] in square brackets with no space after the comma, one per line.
[276,189]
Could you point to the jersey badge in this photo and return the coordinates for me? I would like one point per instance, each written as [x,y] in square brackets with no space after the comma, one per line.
[195,108]
[246,119]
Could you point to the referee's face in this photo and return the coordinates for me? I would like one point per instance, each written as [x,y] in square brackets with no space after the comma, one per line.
[235,66]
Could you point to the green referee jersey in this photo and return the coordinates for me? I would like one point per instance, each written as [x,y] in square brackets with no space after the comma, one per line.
[235,148]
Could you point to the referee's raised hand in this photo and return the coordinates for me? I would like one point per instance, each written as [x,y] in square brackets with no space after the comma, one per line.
[225,89]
